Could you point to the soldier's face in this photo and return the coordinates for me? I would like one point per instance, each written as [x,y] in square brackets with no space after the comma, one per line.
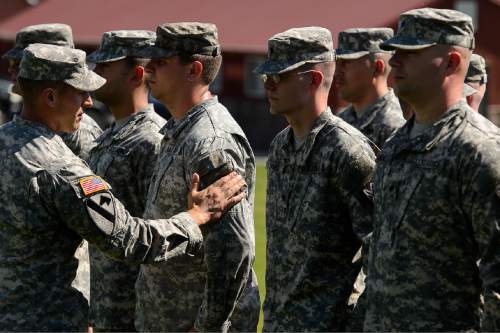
[166,77]
[13,70]
[419,74]
[353,77]
[117,75]
[291,93]
[69,104]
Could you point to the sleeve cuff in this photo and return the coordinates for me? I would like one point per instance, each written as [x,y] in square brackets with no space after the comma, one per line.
[193,232]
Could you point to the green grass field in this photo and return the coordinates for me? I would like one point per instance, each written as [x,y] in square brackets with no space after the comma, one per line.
[260,231]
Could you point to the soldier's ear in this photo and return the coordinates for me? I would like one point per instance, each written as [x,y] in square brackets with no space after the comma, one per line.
[49,97]
[139,75]
[379,66]
[455,59]
[195,70]
[317,78]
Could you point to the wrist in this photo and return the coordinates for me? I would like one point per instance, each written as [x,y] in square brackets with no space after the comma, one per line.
[199,216]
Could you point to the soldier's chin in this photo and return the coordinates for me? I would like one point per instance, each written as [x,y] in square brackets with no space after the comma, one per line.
[275,111]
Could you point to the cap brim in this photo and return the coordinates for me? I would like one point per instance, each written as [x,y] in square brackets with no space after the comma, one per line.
[406,43]
[345,54]
[468,90]
[90,81]
[99,56]
[275,67]
[15,53]
[153,51]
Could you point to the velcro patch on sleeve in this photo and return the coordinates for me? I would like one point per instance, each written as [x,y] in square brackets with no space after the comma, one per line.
[92,184]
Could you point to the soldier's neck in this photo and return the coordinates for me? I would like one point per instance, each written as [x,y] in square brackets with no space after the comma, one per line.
[129,104]
[125,110]
[369,98]
[39,116]
[431,108]
[184,102]
[302,120]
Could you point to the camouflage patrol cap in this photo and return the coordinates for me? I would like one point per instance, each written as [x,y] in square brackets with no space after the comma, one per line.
[356,43]
[52,33]
[477,70]
[295,47]
[58,63]
[119,44]
[189,38]
[425,27]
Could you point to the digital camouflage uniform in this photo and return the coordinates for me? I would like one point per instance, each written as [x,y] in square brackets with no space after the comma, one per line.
[318,205]
[381,119]
[435,250]
[200,291]
[82,140]
[53,200]
[125,156]
[377,121]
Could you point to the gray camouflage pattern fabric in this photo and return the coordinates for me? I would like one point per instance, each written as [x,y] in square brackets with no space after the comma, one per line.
[81,142]
[43,220]
[317,213]
[295,47]
[202,291]
[58,63]
[358,42]
[477,70]
[435,250]
[184,38]
[379,120]
[424,27]
[125,157]
[52,33]
[119,44]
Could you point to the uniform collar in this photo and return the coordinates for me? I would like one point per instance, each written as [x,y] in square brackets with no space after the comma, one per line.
[111,134]
[173,128]
[429,138]
[372,110]
[302,154]
[39,127]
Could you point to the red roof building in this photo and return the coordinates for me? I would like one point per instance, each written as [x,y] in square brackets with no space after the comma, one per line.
[244,28]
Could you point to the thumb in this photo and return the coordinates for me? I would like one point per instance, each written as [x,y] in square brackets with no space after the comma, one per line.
[195,183]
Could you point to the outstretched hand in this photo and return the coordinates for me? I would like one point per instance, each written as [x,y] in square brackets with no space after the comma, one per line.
[211,203]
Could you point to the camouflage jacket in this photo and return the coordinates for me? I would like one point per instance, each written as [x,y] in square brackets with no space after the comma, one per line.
[125,158]
[318,209]
[201,290]
[81,142]
[379,120]
[436,216]
[52,200]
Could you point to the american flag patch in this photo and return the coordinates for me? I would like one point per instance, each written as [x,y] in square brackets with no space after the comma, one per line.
[92,184]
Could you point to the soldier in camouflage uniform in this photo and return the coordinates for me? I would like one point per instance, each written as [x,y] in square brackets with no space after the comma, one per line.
[318,205]
[125,155]
[52,199]
[80,141]
[476,79]
[361,77]
[435,250]
[200,137]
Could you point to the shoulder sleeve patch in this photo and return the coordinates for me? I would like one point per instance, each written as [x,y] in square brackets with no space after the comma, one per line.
[92,184]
